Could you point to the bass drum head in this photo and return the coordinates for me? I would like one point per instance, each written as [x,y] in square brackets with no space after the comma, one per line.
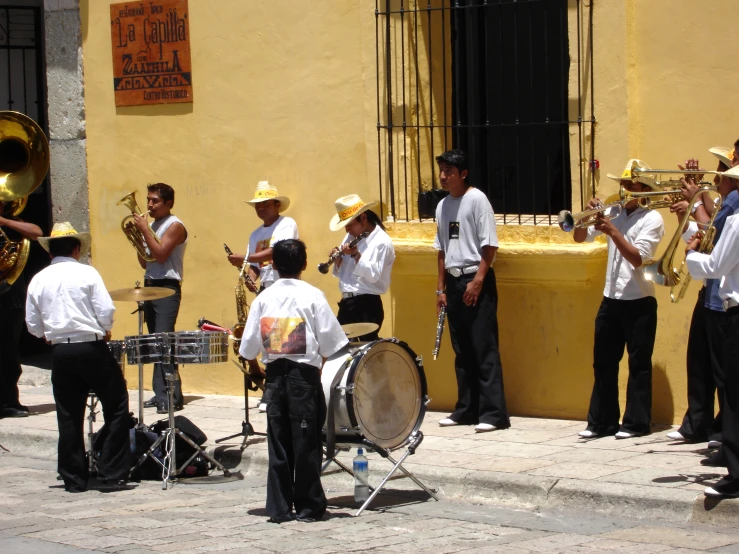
[389,392]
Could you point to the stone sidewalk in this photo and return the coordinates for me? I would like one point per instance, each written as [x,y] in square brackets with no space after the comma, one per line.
[536,464]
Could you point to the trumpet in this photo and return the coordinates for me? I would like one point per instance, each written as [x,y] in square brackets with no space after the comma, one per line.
[134,236]
[609,210]
[654,199]
[323,268]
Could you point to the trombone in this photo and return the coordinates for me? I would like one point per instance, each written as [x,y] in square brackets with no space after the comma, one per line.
[610,209]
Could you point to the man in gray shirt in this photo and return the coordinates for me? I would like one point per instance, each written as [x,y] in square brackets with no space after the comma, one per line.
[467,242]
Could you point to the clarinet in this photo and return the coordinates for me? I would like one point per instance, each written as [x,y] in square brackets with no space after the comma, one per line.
[439,331]
[323,268]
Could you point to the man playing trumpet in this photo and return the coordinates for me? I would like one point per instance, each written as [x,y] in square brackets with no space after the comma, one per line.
[627,315]
[705,345]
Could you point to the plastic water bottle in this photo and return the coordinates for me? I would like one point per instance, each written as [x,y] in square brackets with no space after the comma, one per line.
[361,477]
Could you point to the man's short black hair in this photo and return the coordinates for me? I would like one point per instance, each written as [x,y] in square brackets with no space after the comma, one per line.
[455,158]
[372,217]
[736,144]
[289,257]
[63,246]
[163,190]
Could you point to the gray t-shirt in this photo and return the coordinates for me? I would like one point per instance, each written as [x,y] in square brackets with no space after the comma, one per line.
[463,226]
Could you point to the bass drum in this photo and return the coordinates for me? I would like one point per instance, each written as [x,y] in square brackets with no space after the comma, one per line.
[380,393]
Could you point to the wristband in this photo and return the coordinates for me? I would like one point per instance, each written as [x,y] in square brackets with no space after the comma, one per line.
[695,206]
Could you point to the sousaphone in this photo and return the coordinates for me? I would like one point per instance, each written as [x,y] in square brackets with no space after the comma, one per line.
[24,163]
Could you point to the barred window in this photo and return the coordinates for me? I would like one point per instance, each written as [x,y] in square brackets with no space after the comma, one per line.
[490,77]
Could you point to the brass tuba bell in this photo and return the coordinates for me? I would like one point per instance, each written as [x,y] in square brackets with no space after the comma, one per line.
[24,163]
[132,233]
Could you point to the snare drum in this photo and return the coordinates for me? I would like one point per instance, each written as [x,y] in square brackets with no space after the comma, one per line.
[381,394]
[144,349]
[198,347]
[117,348]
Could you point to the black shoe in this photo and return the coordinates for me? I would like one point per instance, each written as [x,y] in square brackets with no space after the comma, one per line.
[74,489]
[151,403]
[162,409]
[281,519]
[13,412]
[717,459]
[178,407]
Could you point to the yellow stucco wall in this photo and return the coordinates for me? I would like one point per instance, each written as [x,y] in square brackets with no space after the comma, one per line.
[285,91]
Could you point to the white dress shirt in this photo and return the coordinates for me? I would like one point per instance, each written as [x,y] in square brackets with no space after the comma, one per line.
[291,319]
[371,274]
[68,300]
[642,229]
[722,263]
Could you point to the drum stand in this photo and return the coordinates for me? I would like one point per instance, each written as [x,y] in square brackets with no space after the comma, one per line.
[140,310]
[170,471]
[247,430]
[415,440]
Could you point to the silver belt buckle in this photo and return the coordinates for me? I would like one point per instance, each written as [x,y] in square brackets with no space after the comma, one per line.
[455,271]
[730,303]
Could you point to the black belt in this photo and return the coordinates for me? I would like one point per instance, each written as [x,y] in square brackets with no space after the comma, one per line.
[157,282]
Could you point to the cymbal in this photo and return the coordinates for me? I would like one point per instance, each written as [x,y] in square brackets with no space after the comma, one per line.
[139,294]
[354,330]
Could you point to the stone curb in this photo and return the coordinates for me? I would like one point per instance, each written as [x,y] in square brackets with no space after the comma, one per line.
[512,490]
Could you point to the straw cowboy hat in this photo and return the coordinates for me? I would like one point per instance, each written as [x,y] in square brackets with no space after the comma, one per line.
[733,173]
[63,230]
[267,191]
[628,175]
[725,155]
[348,208]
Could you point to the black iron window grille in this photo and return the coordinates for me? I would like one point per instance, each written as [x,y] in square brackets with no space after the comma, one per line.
[21,62]
[491,77]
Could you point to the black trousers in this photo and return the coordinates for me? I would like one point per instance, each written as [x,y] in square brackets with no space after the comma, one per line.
[730,437]
[11,326]
[365,308]
[161,317]
[474,334]
[296,410]
[76,369]
[705,374]
[619,323]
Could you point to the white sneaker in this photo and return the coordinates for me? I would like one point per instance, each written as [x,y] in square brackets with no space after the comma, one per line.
[447,422]
[484,427]
[714,444]
[626,435]
[586,434]
[262,407]
[675,436]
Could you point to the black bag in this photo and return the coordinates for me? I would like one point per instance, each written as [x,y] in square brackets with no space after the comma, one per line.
[427,202]
[193,432]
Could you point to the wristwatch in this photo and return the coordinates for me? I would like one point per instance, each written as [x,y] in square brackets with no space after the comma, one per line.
[440,292]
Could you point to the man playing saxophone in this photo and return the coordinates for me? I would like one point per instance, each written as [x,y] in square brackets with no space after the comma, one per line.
[705,345]
[627,315]
[166,270]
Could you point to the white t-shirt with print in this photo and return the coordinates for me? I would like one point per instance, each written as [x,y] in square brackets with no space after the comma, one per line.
[291,319]
[265,237]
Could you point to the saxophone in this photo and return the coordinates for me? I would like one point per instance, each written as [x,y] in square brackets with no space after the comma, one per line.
[242,308]
[439,331]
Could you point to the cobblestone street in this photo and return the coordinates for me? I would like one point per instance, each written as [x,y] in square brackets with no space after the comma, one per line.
[38,516]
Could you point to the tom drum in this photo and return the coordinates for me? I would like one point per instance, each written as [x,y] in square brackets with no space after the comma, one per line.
[144,349]
[198,347]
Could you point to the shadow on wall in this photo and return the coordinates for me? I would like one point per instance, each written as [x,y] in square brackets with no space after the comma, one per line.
[663,405]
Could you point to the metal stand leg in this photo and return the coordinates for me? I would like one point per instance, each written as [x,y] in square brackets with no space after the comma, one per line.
[170,471]
[414,442]
[247,430]
[92,459]
[141,366]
